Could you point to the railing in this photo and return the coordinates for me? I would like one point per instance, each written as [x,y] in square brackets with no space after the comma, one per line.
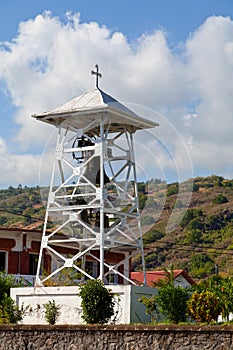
[28,280]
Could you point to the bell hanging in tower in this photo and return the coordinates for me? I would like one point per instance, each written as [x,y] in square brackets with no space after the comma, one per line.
[92,170]
[93,198]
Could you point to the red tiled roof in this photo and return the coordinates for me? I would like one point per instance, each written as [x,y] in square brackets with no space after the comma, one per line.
[155,276]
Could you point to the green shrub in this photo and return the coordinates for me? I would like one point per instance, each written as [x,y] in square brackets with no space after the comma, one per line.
[3,220]
[215,222]
[220,199]
[97,302]
[223,289]
[141,187]
[51,311]
[200,265]
[228,183]
[10,312]
[142,200]
[172,189]
[194,236]
[190,215]
[152,236]
[195,224]
[204,306]
[195,187]
[172,302]
[225,292]
[151,307]
[150,259]
[6,283]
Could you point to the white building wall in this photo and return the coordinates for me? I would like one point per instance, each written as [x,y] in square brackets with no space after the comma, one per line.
[127,307]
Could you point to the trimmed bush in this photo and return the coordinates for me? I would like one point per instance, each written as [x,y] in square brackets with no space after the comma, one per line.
[97,302]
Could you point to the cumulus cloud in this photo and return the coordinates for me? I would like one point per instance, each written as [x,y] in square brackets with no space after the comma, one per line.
[49,63]
[209,53]
[18,169]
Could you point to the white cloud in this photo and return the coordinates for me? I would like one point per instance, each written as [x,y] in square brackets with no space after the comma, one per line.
[18,169]
[211,69]
[49,62]
[210,63]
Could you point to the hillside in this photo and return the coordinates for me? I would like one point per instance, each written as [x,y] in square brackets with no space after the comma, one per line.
[21,207]
[202,242]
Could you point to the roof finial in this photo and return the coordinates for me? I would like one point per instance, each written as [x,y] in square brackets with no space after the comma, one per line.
[97,75]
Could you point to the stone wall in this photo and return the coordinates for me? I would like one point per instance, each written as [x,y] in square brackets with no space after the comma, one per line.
[115,337]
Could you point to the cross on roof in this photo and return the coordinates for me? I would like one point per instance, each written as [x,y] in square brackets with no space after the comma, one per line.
[97,75]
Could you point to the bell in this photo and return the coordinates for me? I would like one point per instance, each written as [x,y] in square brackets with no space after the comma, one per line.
[92,167]
[80,142]
[92,171]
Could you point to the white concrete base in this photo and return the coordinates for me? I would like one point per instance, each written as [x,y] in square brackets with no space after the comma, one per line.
[127,307]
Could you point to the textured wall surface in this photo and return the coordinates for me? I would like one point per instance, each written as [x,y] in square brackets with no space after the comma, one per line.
[119,337]
[127,307]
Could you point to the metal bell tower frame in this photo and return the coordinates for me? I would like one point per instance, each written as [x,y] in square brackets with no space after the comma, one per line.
[93,198]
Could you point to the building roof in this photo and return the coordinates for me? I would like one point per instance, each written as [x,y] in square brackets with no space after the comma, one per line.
[22,230]
[90,108]
[155,276]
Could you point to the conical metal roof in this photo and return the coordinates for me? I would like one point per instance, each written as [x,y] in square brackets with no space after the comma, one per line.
[90,108]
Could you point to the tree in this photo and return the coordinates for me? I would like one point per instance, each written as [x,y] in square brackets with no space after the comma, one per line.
[172,302]
[223,289]
[215,222]
[195,224]
[194,236]
[225,292]
[220,199]
[173,189]
[97,302]
[190,215]
[3,220]
[141,187]
[200,264]
[152,236]
[169,277]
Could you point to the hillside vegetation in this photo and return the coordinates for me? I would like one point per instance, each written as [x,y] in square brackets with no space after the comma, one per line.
[202,242]
[21,207]
[201,239]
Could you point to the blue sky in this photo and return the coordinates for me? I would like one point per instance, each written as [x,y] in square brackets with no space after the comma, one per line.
[133,18]
[172,57]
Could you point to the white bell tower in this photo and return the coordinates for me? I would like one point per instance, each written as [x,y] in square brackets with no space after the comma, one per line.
[93,198]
